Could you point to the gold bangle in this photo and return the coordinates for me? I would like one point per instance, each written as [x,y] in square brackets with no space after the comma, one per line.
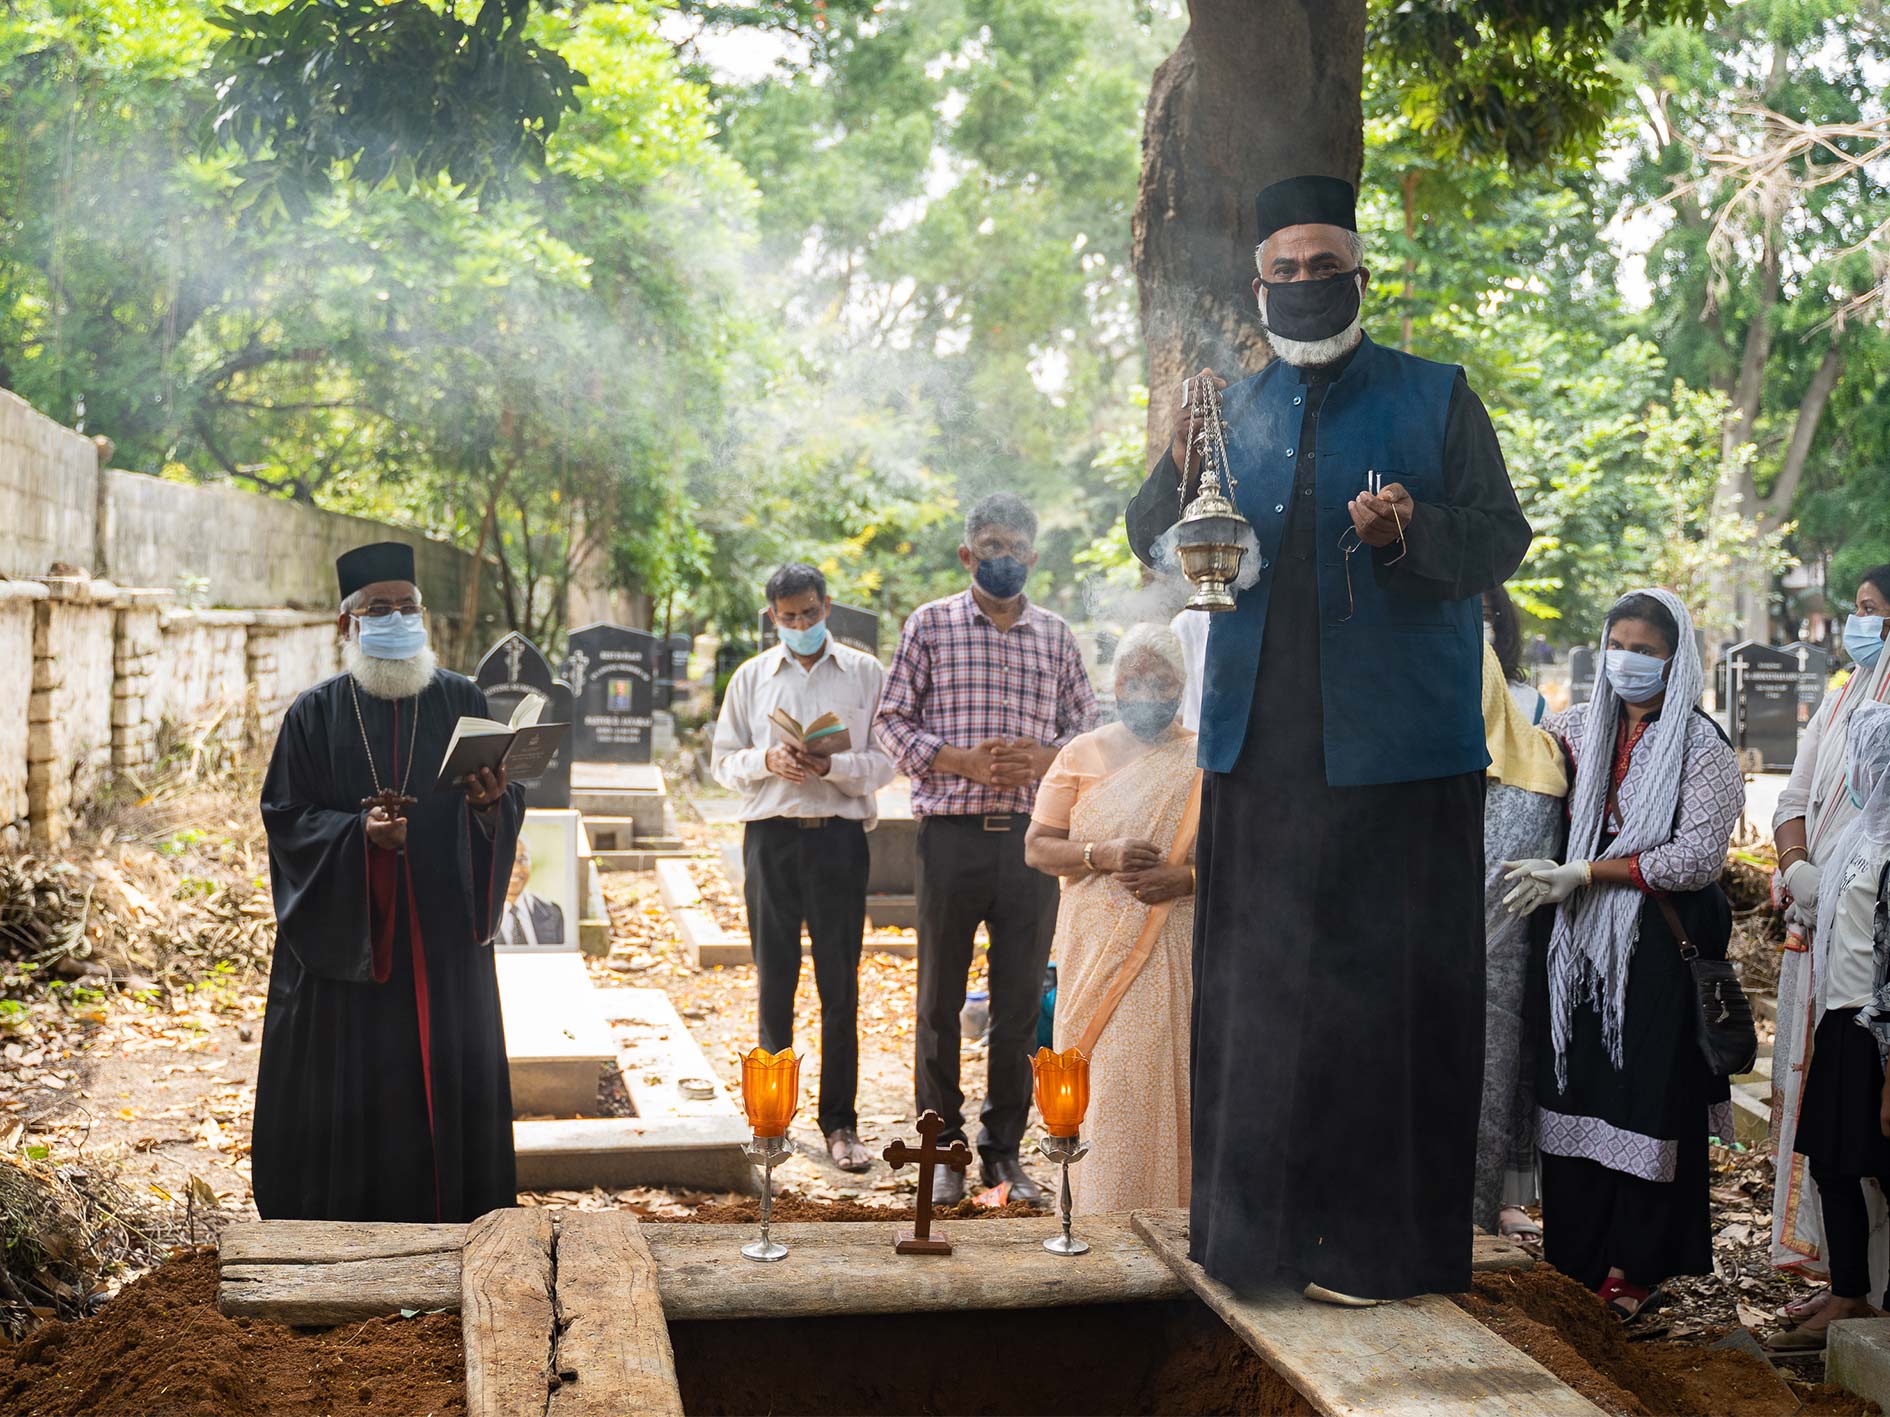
[1194,880]
[1784,859]
[1588,873]
[1088,864]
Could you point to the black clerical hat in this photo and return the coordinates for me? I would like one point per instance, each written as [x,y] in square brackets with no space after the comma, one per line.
[381,561]
[1306,201]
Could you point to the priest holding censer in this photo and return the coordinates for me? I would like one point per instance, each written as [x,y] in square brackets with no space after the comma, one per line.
[1338,945]
[382,1092]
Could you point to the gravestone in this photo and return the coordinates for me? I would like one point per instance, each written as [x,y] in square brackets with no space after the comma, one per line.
[511,669]
[1763,687]
[1581,674]
[613,677]
[847,624]
[1814,673]
[672,669]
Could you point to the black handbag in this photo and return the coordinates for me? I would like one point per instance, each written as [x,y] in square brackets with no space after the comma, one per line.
[1722,1019]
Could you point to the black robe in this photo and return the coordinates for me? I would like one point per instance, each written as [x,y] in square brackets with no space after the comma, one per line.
[374,1100]
[1339,950]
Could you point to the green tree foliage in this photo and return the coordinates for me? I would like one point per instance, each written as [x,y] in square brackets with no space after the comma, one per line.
[377,91]
[538,374]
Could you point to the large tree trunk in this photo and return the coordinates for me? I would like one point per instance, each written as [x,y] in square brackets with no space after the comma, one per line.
[1257,90]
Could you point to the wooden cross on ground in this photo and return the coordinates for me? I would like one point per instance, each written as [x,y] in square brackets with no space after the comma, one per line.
[396,803]
[920,1240]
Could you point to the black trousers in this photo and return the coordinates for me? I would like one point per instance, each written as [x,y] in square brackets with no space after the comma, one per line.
[971,872]
[1846,1231]
[792,875]
[1596,1218]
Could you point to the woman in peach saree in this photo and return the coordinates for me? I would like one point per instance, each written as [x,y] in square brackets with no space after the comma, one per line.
[1115,818]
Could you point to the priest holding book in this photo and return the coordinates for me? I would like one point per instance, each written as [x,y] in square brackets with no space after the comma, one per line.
[795,740]
[383,1092]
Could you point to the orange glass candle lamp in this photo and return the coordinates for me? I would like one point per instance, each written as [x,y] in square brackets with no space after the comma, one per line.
[771,1095]
[771,1090]
[1062,1081]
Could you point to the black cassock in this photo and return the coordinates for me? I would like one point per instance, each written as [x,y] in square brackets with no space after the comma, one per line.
[377,1100]
[1338,952]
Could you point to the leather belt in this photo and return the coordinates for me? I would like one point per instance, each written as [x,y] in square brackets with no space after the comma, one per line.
[998,821]
[810,823]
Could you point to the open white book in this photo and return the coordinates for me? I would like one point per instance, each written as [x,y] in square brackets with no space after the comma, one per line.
[523,744]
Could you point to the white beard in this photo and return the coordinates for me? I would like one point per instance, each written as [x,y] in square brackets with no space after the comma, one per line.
[388,678]
[1311,354]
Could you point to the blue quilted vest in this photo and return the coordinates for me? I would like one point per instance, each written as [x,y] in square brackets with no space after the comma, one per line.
[1402,678]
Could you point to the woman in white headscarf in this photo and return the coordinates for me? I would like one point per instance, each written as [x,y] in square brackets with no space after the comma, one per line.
[1813,811]
[1843,1117]
[1625,1101]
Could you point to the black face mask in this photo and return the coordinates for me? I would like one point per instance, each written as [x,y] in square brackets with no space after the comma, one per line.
[1310,310]
[1147,718]
[1001,577]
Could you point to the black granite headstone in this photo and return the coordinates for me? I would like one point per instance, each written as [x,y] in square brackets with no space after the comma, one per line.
[676,653]
[1814,673]
[1581,674]
[850,626]
[1763,684]
[511,669]
[613,675]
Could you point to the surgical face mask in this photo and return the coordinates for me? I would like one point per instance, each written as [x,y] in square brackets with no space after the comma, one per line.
[1863,639]
[1147,719]
[1636,677]
[1310,310]
[1001,577]
[392,636]
[806,641]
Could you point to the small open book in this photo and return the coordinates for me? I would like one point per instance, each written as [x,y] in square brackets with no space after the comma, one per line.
[523,744]
[824,737]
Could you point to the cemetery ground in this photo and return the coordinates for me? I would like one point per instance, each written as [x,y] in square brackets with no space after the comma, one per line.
[129,1026]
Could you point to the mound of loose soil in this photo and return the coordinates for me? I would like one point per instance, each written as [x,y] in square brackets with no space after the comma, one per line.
[1563,1327]
[161,1347]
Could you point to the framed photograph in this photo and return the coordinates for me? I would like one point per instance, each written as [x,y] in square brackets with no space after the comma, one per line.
[541,899]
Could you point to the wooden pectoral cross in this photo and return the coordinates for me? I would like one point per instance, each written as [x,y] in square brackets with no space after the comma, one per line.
[396,803]
[920,1240]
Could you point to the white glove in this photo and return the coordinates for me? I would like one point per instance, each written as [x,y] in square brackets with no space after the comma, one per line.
[1801,879]
[1542,882]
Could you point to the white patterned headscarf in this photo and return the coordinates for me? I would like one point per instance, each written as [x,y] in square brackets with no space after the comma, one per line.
[1596,928]
[1867,738]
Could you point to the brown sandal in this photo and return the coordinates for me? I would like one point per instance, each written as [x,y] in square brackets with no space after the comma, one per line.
[843,1145]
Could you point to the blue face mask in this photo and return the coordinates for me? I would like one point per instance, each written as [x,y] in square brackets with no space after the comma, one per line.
[1863,639]
[1636,677]
[393,636]
[808,641]
[1851,789]
[1001,577]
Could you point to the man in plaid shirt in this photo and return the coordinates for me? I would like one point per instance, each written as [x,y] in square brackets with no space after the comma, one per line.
[984,689]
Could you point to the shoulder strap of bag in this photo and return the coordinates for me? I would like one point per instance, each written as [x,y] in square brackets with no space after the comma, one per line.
[1688,951]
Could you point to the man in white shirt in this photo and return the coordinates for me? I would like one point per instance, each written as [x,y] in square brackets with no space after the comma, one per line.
[804,843]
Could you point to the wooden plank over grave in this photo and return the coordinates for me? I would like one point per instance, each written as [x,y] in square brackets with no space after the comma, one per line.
[1415,1358]
[316,1272]
[849,1267]
[613,1352]
[507,1318]
[322,1272]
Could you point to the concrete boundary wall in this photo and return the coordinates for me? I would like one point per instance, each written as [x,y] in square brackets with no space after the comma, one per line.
[115,671]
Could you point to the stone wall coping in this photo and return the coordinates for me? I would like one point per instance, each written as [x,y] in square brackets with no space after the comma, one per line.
[185,614]
[79,590]
[143,597]
[22,590]
[291,619]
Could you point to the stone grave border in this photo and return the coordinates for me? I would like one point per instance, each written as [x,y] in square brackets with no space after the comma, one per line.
[708,945]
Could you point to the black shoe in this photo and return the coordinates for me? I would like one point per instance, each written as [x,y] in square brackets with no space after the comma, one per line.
[948,1187]
[999,1169]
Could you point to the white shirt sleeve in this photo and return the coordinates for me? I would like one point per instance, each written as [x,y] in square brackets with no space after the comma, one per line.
[735,761]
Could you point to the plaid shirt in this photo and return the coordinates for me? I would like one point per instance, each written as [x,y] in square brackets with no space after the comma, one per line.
[957,679]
